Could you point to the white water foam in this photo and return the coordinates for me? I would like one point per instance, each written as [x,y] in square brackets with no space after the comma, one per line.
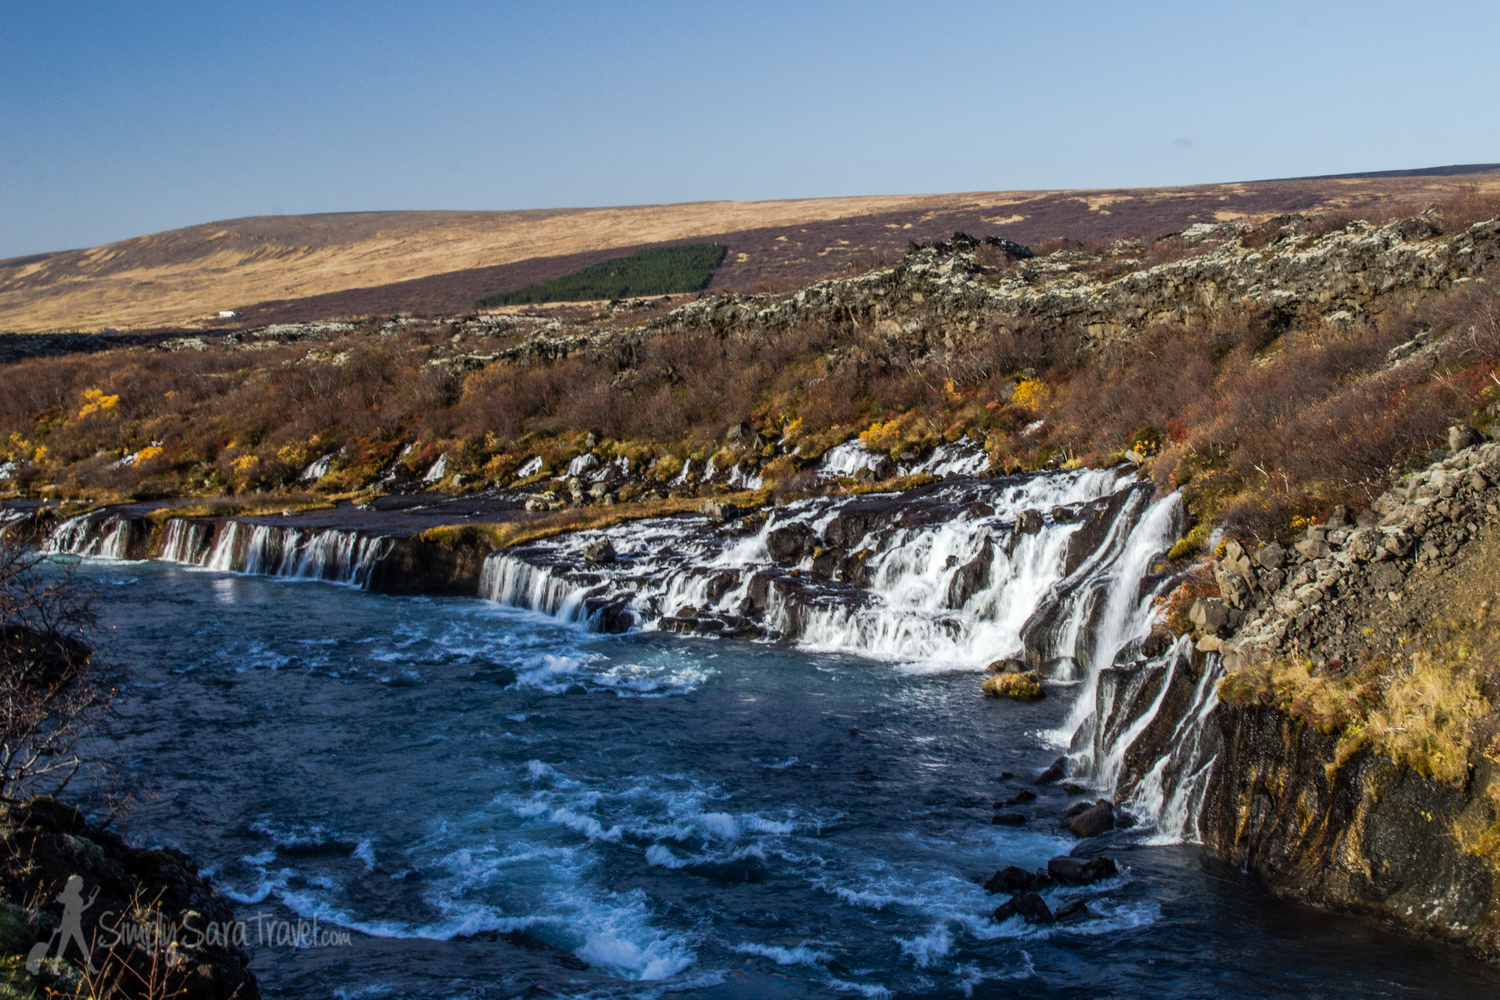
[907,611]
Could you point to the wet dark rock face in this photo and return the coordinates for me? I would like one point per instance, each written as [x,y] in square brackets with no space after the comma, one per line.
[1371,837]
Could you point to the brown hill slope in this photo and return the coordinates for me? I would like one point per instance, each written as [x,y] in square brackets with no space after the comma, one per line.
[284,268]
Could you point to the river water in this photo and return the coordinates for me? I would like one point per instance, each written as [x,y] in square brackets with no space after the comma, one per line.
[500,804]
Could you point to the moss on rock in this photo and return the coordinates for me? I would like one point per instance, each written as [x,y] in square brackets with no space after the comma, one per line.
[1017,686]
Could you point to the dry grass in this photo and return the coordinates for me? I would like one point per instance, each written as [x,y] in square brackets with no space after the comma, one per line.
[1421,708]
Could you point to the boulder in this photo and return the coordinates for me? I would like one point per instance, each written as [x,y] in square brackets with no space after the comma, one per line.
[1016,686]
[1100,818]
[1028,522]
[1209,613]
[739,433]
[1270,556]
[1461,436]
[1363,544]
[1020,798]
[827,563]
[718,512]
[1074,910]
[1079,871]
[1032,908]
[790,542]
[1313,548]
[972,577]
[599,552]
[1057,771]
[1013,879]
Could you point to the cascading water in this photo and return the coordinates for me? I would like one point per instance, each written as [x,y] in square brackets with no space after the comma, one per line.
[89,535]
[963,574]
[1054,568]
[947,578]
[334,555]
[183,541]
[338,556]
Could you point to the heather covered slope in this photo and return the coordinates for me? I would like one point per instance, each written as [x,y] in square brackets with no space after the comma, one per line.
[1254,364]
[301,268]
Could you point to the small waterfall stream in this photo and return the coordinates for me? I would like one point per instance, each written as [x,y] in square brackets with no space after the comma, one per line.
[335,555]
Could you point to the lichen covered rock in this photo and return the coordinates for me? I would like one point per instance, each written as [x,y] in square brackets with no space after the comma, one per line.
[1018,686]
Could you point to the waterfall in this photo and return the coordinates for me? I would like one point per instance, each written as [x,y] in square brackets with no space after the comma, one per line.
[509,581]
[1172,791]
[221,556]
[328,554]
[183,541]
[331,554]
[90,535]
[947,576]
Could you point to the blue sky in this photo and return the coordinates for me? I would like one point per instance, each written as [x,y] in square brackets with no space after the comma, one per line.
[118,119]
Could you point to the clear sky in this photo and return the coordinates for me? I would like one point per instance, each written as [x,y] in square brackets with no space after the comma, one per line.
[118,119]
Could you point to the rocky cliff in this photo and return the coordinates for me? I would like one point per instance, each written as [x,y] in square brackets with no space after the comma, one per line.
[1350,753]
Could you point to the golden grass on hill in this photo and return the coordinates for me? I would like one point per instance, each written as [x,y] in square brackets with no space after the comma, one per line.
[184,277]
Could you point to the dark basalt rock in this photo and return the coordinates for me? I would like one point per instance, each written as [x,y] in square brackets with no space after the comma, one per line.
[1275,808]
[790,543]
[613,616]
[1028,522]
[599,552]
[1032,908]
[1099,818]
[1020,798]
[972,577]
[1079,871]
[1075,910]
[827,563]
[1054,773]
[1008,819]
[1096,518]
[1013,880]
[858,518]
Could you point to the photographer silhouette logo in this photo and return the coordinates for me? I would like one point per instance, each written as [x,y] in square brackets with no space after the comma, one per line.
[69,930]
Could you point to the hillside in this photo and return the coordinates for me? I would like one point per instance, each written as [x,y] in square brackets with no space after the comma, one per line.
[301,268]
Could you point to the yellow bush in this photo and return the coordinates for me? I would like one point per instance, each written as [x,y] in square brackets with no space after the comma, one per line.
[291,454]
[882,436]
[244,464]
[95,401]
[147,453]
[20,449]
[1031,394]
